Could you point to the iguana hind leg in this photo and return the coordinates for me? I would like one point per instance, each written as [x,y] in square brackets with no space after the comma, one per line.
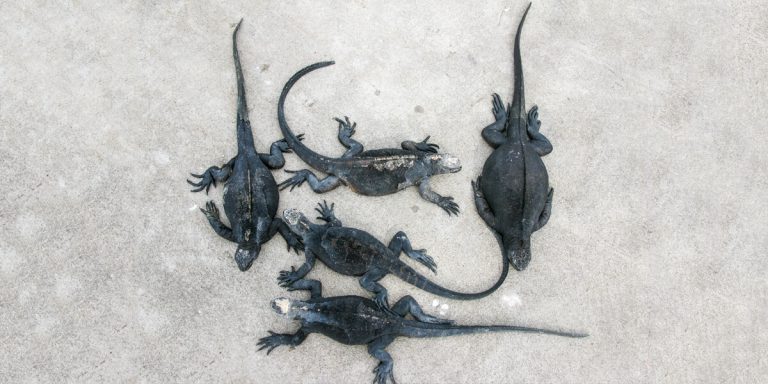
[346,130]
[383,371]
[408,306]
[274,159]
[212,175]
[317,185]
[401,243]
[493,133]
[539,142]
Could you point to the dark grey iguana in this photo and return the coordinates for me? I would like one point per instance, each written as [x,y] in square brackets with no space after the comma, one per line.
[354,252]
[250,192]
[373,173]
[513,195]
[354,320]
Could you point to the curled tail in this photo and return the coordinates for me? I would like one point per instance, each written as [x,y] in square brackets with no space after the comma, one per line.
[315,160]
[408,274]
[419,329]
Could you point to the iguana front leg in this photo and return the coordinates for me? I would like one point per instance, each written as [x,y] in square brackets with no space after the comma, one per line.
[539,142]
[444,202]
[315,287]
[383,371]
[346,130]
[369,283]
[274,159]
[408,306]
[287,278]
[482,205]
[401,243]
[212,175]
[291,239]
[493,133]
[275,340]
[546,212]
[326,214]
[317,185]
[422,146]
[212,214]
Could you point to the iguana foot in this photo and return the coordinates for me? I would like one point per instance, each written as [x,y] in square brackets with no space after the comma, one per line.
[421,256]
[210,210]
[326,212]
[296,181]
[205,182]
[346,128]
[448,205]
[498,108]
[384,373]
[422,146]
[382,300]
[427,147]
[282,144]
[294,242]
[287,278]
[275,340]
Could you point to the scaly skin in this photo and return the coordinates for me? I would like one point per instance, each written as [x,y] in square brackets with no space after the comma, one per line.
[354,252]
[513,195]
[354,320]
[372,173]
[250,192]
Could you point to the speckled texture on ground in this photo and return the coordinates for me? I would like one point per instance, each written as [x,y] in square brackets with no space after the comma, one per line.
[657,243]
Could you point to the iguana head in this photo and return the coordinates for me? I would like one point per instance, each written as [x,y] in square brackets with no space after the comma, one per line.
[297,222]
[287,307]
[443,163]
[518,252]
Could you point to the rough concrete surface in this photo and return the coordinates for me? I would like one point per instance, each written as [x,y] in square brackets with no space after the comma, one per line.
[656,246]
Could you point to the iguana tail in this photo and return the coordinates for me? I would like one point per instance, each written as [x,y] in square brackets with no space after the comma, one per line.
[409,275]
[310,157]
[419,329]
[516,117]
[244,134]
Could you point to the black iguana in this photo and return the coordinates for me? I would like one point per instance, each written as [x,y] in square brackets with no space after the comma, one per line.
[374,172]
[513,195]
[355,320]
[250,192]
[354,252]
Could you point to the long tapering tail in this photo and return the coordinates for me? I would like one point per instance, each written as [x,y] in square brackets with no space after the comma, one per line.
[315,160]
[516,117]
[244,134]
[419,329]
[410,275]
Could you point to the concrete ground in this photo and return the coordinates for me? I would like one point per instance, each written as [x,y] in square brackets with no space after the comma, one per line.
[656,246]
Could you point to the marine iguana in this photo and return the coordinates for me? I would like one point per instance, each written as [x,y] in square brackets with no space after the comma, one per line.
[513,195]
[250,192]
[354,252]
[374,172]
[354,320]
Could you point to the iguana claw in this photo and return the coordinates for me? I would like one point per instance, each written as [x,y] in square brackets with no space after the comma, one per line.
[448,205]
[295,181]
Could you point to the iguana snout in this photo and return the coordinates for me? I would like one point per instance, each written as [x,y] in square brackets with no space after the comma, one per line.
[445,163]
[297,222]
